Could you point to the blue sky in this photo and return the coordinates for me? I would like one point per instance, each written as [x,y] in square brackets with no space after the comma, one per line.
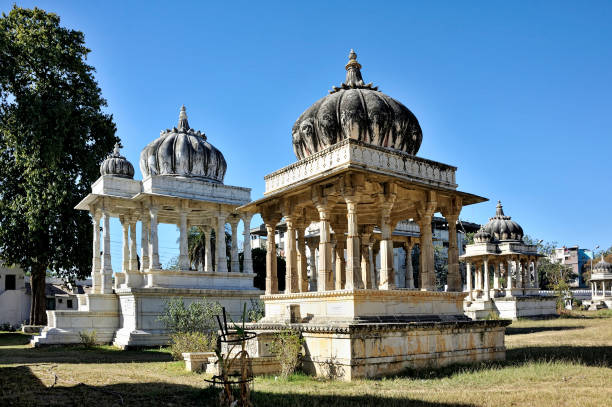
[515,94]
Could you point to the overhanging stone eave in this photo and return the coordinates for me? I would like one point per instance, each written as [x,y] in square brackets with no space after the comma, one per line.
[144,195]
[299,186]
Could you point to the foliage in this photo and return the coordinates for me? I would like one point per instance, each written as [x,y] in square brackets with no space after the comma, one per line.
[440,266]
[185,342]
[257,310]
[7,327]
[287,346]
[198,316]
[53,136]
[88,339]
[469,238]
[196,243]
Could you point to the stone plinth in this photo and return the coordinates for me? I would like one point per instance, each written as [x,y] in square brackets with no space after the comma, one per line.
[363,305]
[368,350]
[513,307]
[197,361]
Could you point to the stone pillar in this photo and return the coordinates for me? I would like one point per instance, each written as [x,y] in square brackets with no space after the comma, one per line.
[234,261]
[208,254]
[153,245]
[144,243]
[485,275]
[427,272]
[409,270]
[271,274]
[325,275]
[125,246]
[312,247]
[468,280]
[454,276]
[496,267]
[133,247]
[509,278]
[96,260]
[247,260]
[183,260]
[291,275]
[374,250]
[106,280]
[536,277]
[387,279]
[353,263]
[220,246]
[302,260]
[366,271]
[340,262]
[477,276]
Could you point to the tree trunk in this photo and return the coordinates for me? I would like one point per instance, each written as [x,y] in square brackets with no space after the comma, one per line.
[38,315]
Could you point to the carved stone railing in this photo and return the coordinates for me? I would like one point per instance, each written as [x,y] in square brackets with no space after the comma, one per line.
[351,153]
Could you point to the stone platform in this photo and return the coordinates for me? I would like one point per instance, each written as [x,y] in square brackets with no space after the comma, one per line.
[374,333]
[513,307]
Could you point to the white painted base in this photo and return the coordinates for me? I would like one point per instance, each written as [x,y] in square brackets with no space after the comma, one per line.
[511,307]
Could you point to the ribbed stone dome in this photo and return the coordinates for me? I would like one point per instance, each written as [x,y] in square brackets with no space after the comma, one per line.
[502,227]
[482,236]
[183,152]
[117,165]
[358,111]
[602,266]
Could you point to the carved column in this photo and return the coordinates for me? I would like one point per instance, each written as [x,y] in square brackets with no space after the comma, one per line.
[220,244]
[387,279]
[144,242]
[409,271]
[366,271]
[427,272]
[486,289]
[291,275]
[133,247]
[234,261]
[374,250]
[208,254]
[509,278]
[312,247]
[453,277]
[183,260]
[247,260]
[125,246]
[271,274]
[302,260]
[536,277]
[353,263]
[325,275]
[340,261]
[153,245]
[496,267]
[96,260]
[106,282]
[468,280]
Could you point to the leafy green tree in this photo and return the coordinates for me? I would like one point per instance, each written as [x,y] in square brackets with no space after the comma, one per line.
[53,136]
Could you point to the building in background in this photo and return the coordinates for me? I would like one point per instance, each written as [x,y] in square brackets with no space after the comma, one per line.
[16,295]
[576,258]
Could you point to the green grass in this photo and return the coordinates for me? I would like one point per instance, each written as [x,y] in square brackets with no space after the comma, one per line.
[557,362]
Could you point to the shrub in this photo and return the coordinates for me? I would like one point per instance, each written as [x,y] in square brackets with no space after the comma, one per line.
[286,346]
[5,326]
[257,310]
[199,316]
[184,342]
[88,339]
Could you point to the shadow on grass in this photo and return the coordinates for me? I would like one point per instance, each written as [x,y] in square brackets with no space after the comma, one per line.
[597,356]
[14,339]
[530,330]
[80,354]
[19,386]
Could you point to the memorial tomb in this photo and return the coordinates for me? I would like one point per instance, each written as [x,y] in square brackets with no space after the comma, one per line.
[182,185]
[357,170]
[601,286]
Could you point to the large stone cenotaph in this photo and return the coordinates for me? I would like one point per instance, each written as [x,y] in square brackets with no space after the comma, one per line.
[182,185]
[357,171]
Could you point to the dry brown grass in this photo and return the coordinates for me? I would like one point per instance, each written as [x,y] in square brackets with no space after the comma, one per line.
[560,362]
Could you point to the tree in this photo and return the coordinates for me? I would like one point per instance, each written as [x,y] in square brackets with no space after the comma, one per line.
[196,245]
[53,136]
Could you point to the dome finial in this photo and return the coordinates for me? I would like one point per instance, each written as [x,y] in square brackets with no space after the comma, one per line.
[116,150]
[353,71]
[183,124]
[499,209]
